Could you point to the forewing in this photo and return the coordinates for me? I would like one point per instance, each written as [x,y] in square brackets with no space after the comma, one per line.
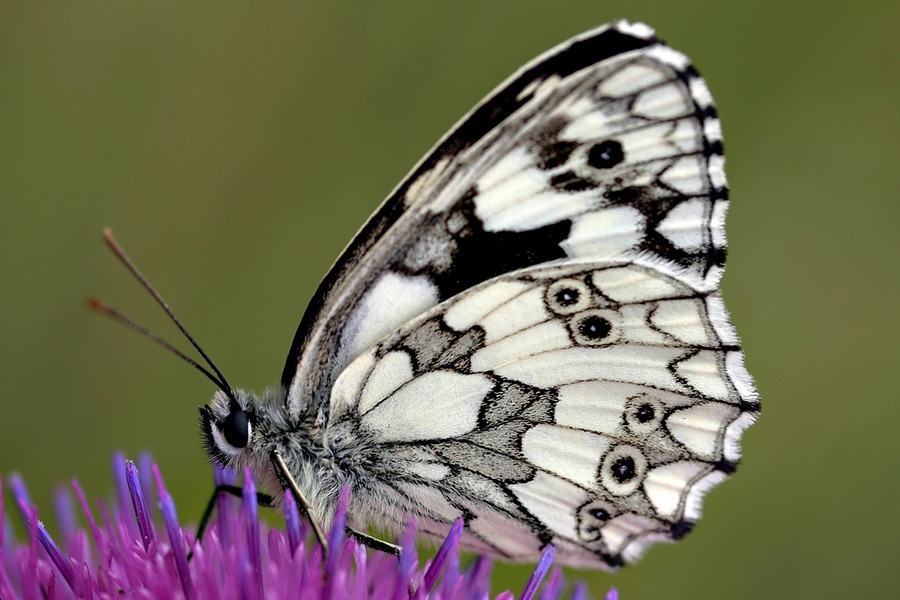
[589,405]
[605,147]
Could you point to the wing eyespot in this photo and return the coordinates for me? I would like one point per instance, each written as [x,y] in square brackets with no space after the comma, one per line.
[623,470]
[592,517]
[598,327]
[568,296]
[594,327]
[643,414]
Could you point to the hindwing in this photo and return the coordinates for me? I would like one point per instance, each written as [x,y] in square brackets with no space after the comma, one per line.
[585,404]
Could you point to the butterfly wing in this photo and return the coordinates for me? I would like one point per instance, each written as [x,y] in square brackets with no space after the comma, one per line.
[587,404]
[607,146]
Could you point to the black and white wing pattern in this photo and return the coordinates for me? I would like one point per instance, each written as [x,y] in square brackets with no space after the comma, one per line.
[528,332]
[588,404]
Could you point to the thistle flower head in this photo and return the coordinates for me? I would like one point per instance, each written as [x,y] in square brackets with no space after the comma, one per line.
[138,548]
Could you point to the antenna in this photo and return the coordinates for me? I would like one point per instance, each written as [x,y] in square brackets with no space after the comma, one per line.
[101,308]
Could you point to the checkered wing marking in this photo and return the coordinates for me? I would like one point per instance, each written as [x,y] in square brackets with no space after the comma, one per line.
[587,405]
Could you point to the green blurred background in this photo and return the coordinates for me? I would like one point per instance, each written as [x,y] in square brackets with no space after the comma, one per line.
[236,148]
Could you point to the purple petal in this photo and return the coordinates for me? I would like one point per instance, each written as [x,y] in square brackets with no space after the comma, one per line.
[336,535]
[65,516]
[145,470]
[51,587]
[252,524]
[359,583]
[292,523]
[249,584]
[449,545]
[89,517]
[408,562]
[539,572]
[122,494]
[245,567]
[579,591]
[612,594]
[142,515]
[113,531]
[224,476]
[6,589]
[176,536]
[451,582]
[30,584]
[554,586]
[63,565]
[478,577]
[337,563]
[20,494]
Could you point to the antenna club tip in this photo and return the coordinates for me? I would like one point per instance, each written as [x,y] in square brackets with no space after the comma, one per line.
[96,304]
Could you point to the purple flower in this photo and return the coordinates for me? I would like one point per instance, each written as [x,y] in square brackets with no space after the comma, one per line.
[129,552]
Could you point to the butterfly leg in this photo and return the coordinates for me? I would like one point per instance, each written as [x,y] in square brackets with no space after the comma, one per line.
[373,542]
[261,499]
[288,483]
[268,501]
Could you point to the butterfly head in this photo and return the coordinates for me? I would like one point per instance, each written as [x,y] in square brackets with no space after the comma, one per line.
[228,424]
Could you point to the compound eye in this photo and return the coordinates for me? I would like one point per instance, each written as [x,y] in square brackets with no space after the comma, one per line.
[236,428]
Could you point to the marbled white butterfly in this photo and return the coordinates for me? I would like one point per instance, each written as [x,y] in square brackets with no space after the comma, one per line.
[528,334]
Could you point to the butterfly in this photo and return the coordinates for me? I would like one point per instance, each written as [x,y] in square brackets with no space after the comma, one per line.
[528,333]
